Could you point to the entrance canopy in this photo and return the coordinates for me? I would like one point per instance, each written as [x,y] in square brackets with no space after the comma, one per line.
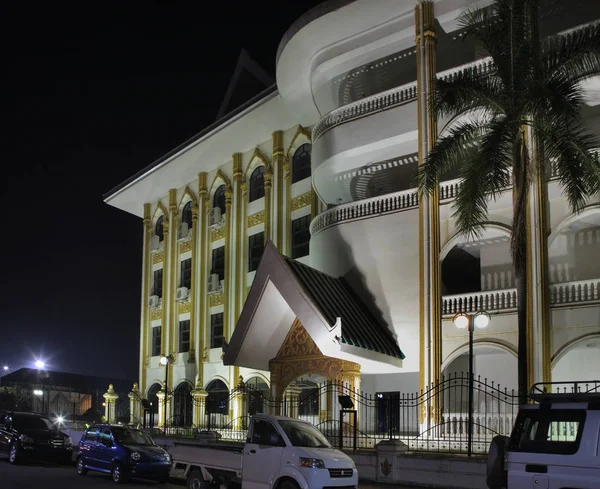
[334,316]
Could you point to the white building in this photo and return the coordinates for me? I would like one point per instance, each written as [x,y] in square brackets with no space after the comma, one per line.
[332,149]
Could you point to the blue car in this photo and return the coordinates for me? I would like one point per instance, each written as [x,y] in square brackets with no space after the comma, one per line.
[123,452]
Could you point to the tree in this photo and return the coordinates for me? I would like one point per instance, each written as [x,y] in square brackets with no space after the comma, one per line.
[529,104]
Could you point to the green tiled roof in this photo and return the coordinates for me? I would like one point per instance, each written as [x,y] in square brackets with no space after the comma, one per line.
[335,298]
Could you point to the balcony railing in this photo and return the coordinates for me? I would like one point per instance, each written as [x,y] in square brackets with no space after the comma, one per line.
[389,99]
[362,209]
[582,291]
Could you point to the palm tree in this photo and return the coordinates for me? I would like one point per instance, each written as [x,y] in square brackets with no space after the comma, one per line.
[530,100]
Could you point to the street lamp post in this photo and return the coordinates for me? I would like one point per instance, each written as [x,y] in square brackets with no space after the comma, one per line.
[471,321]
[166,360]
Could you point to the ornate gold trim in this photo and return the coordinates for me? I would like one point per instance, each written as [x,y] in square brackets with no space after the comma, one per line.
[185,246]
[215,300]
[301,201]
[218,233]
[155,314]
[256,219]
[157,257]
[185,307]
[301,131]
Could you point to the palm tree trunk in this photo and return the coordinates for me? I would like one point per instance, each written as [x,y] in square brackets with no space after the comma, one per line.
[522,362]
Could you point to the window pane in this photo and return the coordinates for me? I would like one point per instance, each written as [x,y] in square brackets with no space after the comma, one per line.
[257,184]
[216,330]
[218,262]
[157,282]
[300,236]
[156,340]
[184,336]
[301,163]
[256,245]
[186,215]
[186,273]
[158,229]
[219,199]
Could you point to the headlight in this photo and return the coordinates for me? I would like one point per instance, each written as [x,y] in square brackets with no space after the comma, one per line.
[68,441]
[167,457]
[135,456]
[26,440]
[312,463]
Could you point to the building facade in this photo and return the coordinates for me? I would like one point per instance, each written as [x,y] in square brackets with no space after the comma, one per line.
[286,245]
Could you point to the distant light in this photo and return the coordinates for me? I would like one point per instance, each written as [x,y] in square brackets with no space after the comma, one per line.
[461,320]
[39,364]
[38,392]
[5,367]
[163,360]
[60,420]
[481,320]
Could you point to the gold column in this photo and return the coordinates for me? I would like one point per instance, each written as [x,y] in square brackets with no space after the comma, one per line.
[268,186]
[278,164]
[244,244]
[238,180]
[228,274]
[204,209]
[429,234]
[173,266]
[165,288]
[288,207]
[314,203]
[194,281]
[146,278]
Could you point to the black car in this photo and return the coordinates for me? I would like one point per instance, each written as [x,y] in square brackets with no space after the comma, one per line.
[27,436]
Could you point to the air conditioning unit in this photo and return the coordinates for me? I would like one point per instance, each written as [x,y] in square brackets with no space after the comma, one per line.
[182,293]
[215,216]
[155,243]
[214,284]
[154,301]
[182,230]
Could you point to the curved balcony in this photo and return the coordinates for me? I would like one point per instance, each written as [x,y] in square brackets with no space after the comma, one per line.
[389,99]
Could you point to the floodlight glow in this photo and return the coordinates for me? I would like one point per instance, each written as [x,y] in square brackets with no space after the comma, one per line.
[38,392]
[461,320]
[39,364]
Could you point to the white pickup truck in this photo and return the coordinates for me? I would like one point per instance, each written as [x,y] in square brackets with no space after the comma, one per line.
[280,453]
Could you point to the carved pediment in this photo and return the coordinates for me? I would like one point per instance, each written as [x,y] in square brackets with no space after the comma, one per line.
[298,343]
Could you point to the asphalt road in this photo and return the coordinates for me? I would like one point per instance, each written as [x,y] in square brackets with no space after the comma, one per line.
[64,477]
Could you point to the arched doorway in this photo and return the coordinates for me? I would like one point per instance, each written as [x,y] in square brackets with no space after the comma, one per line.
[258,395]
[152,413]
[578,360]
[182,405]
[217,404]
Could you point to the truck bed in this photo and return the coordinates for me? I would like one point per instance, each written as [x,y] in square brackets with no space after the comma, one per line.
[220,457]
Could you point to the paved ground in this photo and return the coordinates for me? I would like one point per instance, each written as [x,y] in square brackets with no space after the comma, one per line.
[64,477]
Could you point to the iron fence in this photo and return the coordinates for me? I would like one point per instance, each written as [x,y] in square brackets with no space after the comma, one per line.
[435,419]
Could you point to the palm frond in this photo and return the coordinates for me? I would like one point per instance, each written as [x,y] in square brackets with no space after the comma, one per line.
[558,101]
[450,151]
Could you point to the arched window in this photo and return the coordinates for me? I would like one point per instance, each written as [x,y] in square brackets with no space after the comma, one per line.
[182,405]
[258,395]
[158,229]
[217,401]
[152,413]
[301,163]
[186,215]
[257,184]
[219,199]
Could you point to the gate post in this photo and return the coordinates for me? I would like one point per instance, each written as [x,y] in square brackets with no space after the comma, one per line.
[110,399]
[292,396]
[199,396]
[135,405]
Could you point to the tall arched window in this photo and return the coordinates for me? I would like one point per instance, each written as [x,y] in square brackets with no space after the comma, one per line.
[153,400]
[219,199]
[258,395]
[257,184]
[158,229]
[301,163]
[186,215]
[182,405]
[217,401]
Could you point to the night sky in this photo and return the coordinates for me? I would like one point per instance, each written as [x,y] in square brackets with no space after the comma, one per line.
[91,94]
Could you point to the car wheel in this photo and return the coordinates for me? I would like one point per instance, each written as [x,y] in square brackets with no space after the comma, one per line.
[287,484]
[81,470]
[118,474]
[495,462]
[13,454]
[196,481]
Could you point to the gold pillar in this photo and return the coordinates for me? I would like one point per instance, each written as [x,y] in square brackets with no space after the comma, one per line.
[110,399]
[292,396]
[268,186]
[429,228]
[173,266]
[204,209]
[162,405]
[135,406]
[288,207]
[228,275]
[199,396]
[165,288]
[194,284]
[238,181]
[146,279]
[278,168]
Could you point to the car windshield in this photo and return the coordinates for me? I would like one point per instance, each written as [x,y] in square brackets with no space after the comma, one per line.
[131,437]
[32,423]
[303,434]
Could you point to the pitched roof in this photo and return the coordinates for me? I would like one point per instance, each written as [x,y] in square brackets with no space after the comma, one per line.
[335,298]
